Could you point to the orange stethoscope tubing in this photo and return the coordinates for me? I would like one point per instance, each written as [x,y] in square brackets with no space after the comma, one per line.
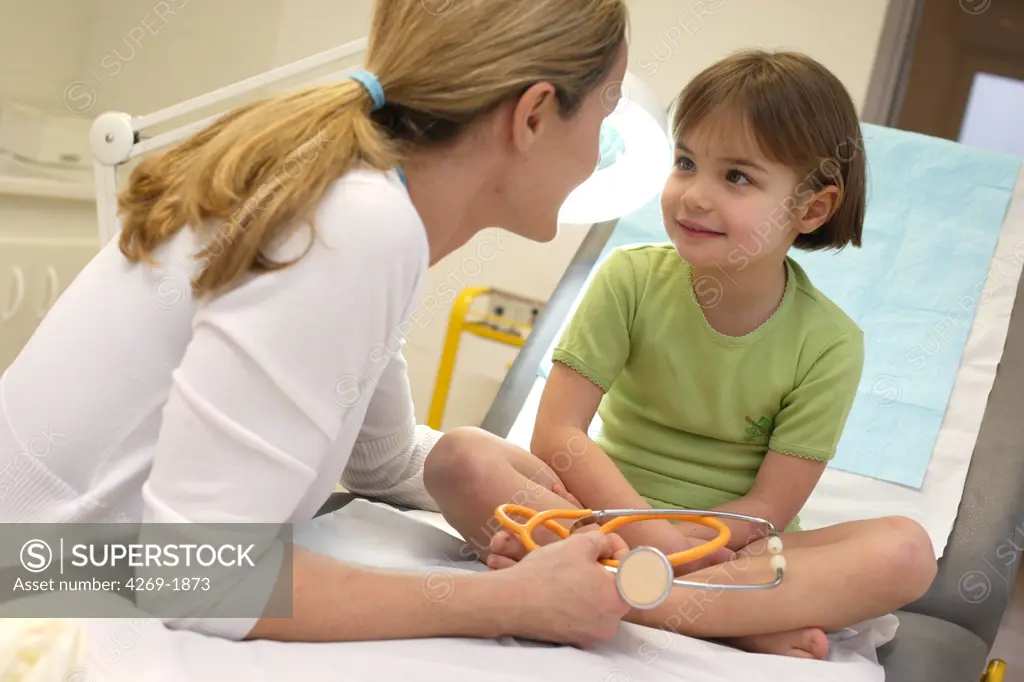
[548,519]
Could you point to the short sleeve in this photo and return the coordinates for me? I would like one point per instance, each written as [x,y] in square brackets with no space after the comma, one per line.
[814,413]
[596,341]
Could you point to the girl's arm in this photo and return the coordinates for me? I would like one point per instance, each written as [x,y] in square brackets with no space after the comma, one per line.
[782,487]
[560,439]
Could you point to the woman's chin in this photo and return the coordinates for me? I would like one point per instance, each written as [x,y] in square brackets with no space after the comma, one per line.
[541,230]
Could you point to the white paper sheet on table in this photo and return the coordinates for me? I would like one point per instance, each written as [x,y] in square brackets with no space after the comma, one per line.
[935,212]
[841,496]
[138,650]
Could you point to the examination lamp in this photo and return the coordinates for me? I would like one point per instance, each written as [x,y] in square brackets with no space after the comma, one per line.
[636,157]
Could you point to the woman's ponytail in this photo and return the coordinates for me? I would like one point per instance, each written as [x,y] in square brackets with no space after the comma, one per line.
[252,174]
[260,170]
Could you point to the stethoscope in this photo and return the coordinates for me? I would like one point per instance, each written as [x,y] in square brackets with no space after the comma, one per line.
[645,575]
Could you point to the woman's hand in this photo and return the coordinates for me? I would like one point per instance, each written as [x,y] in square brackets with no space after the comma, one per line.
[563,595]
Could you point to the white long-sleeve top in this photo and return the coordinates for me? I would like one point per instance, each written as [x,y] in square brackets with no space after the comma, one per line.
[135,402]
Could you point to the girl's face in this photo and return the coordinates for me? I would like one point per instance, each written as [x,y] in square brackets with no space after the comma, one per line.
[725,205]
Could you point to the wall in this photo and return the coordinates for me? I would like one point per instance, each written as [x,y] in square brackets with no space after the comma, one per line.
[672,41]
[144,55]
[41,43]
[310,26]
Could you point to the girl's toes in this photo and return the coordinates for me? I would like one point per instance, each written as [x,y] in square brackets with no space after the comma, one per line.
[506,545]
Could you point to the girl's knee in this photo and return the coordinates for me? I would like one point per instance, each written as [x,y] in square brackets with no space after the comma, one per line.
[908,555]
[462,460]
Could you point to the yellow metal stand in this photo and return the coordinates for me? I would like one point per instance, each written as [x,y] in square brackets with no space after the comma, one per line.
[995,671]
[490,326]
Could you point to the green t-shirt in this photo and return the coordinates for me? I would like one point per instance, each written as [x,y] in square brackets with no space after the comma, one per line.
[688,413]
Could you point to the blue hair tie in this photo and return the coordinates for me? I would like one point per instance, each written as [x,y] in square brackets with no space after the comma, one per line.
[372,85]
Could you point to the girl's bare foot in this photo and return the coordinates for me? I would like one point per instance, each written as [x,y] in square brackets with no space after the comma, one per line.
[505,550]
[803,643]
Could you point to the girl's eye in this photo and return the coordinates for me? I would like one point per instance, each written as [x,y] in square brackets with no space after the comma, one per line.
[737,177]
[684,163]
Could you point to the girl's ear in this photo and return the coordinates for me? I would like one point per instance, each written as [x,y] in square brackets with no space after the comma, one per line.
[817,210]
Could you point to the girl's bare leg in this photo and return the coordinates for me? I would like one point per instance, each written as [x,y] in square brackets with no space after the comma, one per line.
[835,577]
[812,642]
[469,473]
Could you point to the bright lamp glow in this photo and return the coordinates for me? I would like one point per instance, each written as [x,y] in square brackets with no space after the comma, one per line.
[636,157]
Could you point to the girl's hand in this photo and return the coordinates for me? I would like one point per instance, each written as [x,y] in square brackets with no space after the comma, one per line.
[696,535]
[539,474]
[559,489]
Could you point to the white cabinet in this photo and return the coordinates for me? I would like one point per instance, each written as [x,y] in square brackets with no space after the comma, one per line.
[45,241]
[33,274]
[16,325]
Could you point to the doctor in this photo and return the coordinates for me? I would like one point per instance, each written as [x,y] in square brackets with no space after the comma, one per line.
[236,353]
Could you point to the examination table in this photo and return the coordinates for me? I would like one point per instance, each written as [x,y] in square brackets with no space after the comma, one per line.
[947,635]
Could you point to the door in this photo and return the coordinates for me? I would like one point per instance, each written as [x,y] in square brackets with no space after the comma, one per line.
[962,48]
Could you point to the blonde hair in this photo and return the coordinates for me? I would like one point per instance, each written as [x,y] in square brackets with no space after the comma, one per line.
[800,115]
[260,169]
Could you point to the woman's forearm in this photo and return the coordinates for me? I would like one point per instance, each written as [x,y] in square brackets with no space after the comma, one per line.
[592,477]
[335,602]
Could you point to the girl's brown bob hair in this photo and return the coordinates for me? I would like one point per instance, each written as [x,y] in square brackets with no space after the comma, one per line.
[798,114]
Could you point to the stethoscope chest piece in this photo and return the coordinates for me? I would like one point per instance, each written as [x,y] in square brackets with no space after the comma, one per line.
[644,577]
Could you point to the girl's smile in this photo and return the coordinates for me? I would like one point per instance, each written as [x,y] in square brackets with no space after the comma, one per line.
[695,230]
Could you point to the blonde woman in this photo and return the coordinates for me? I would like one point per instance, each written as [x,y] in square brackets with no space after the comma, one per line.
[236,353]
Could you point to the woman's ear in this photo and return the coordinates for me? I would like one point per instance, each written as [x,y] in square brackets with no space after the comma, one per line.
[530,112]
[817,210]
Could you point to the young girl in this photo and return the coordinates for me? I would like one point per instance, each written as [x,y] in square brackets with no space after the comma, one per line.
[722,377]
